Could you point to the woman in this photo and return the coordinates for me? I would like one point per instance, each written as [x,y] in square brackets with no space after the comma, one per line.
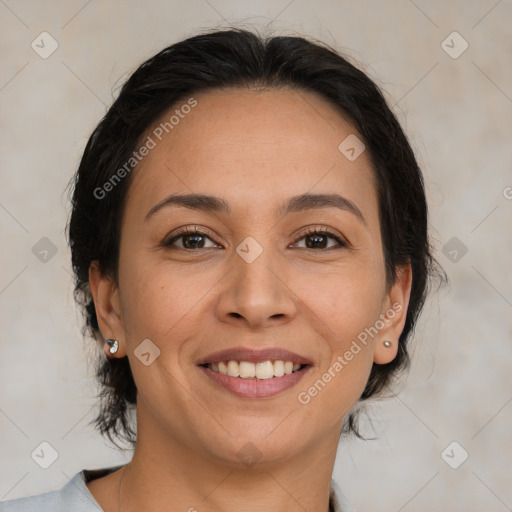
[249,240]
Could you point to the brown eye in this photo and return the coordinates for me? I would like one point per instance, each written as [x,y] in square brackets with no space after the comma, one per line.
[191,239]
[318,239]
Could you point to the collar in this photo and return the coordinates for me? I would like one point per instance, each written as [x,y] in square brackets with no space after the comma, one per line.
[76,496]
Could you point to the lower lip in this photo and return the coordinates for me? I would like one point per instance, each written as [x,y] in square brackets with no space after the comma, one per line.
[255,388]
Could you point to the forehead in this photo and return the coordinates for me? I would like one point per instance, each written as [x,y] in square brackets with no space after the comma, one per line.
[252,147]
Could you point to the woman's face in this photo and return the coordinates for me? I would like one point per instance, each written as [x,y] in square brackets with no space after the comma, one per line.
[253,279]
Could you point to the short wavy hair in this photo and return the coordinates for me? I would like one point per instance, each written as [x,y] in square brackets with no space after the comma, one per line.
[239,58]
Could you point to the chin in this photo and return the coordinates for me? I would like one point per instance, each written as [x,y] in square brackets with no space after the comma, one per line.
[261,444]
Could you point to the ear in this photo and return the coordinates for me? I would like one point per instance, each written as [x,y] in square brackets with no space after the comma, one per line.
[393,315]
[105,294]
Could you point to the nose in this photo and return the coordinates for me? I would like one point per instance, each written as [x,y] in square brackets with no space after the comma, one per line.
[258,294]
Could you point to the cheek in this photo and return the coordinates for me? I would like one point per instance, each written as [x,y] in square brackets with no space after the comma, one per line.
[348,310]
[352,349]
[358,305]
[346,299]
[161,301]
[347,305]
[158,305]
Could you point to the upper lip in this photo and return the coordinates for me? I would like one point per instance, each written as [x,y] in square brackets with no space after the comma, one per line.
[254,356]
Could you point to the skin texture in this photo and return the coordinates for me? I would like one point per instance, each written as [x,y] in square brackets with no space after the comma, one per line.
[255,149]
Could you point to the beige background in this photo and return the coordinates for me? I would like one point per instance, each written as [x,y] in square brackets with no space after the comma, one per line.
[458,115]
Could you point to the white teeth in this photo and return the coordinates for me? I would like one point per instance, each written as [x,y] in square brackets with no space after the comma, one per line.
[278,368]
[248,370]
[233,369]
[264,370]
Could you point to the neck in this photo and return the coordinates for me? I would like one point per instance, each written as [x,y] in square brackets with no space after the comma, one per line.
[166,474]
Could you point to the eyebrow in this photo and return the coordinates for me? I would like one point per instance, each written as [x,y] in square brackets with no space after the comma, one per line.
[295,204]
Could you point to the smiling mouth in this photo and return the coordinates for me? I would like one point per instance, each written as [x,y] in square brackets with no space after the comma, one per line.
[263,370]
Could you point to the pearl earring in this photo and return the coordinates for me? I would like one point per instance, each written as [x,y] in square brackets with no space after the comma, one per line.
[114,345]
[387,343]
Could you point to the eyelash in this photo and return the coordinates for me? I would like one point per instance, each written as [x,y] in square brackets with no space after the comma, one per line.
[168,243]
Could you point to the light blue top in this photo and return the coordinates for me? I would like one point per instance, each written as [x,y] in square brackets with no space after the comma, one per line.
[75,496]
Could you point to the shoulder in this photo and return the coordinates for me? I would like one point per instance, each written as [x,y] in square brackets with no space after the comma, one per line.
[72,497]
[46,502]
